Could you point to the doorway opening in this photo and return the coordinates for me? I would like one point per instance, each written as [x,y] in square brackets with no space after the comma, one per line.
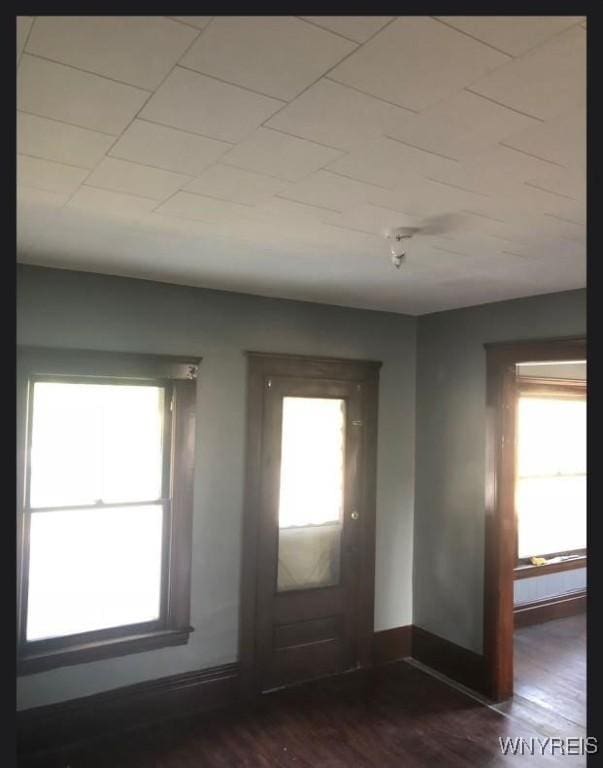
[535,553]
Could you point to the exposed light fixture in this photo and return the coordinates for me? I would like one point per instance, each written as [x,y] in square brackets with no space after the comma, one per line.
[397,245]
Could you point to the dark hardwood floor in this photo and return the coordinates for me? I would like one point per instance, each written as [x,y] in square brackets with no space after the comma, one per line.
[396,716]
[550,677]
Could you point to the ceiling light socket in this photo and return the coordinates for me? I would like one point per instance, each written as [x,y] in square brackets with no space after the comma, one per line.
[396,237]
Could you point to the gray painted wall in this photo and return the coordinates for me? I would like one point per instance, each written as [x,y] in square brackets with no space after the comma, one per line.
[450,451]
[70,309]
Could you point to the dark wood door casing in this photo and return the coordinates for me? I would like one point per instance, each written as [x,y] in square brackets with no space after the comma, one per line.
[500,531]
[266,617]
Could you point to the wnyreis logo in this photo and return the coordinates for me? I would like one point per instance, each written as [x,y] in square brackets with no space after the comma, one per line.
[572,745]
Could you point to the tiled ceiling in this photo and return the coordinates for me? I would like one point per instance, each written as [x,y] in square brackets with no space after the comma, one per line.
[270,155]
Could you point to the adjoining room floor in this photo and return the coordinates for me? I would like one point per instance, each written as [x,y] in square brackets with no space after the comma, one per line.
[550,677]
[394,717]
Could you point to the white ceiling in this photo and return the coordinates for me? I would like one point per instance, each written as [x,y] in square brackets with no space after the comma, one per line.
[270,155]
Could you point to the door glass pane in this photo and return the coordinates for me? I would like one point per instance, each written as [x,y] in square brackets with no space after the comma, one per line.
[311,492]
[92,569]
[94,442]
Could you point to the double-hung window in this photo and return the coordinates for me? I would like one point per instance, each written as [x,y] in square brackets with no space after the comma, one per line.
[551,470]
[105,474]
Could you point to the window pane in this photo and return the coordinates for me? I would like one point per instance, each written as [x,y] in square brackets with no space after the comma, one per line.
[551,475]
[551,515]
[92,569]
[95,442]
[552,436]
[311,492]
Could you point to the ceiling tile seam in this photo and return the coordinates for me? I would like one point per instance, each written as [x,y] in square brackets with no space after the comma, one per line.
[142,106]
[39,189]
[389,208]
[518,255]
[476,39]
[111,156]
[214,197]
[260,173]
[456,186]
[564,218]
[350,229]
[358,181]
[550,191]
[42,189]
[330,31]
[309,205]
[117,192]
[549,39]
[501,104]
[325,75]
[190,26]
[303,138]
[74,125]
[505,106]
[323,167]
[421,149]
[483,215]
[230,82]
[86,183]
[163,202]
[181,217]
[375,33]
[52,160]
[182,130]
[26,41]
[449,250]
[520,240]
[530,154]
[372,95]
[87,72]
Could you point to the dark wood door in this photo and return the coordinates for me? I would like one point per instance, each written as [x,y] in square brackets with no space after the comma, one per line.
[312,522]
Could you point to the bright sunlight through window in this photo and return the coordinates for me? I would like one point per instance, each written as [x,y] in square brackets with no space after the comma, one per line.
[96,535]
[312,454]
[551,475]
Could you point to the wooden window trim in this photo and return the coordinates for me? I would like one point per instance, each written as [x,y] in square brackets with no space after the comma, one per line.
[558,390]
[527,570]
[178,376]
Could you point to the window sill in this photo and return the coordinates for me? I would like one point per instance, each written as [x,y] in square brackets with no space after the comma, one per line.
[101,649]
[528,571]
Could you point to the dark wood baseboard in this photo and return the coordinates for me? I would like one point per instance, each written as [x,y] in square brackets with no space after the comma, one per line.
[452,660]
[550,608]
[57,726]
[392,644]
[92,717]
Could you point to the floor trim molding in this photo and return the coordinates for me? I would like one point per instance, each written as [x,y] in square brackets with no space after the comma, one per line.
[549,608]
[54,726]
[392,644]
[66,723]
[452,660]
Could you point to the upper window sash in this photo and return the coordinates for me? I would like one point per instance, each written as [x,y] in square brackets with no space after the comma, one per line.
[164,469]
